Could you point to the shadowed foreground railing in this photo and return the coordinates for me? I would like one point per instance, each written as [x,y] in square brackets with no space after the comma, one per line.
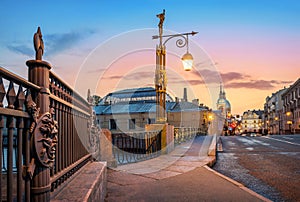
[14,134]
[72,114]
[136,146]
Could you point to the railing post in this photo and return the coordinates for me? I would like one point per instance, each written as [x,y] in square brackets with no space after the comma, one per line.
[38,73]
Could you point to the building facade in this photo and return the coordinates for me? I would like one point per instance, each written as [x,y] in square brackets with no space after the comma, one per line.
[273,119]
[252,121]
[291,109]
[132,109]
[282,111]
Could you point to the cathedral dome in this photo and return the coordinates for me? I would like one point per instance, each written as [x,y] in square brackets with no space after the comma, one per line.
[227,106]
[222,103]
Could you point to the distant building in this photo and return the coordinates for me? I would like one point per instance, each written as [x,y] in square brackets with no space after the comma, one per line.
[291,109]
[132,109]
[273,120]
[223,105]
[252,121]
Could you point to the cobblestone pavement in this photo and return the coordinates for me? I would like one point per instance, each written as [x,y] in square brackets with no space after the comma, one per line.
[267,165]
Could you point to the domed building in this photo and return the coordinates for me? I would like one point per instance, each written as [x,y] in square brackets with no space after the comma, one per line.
[223,105]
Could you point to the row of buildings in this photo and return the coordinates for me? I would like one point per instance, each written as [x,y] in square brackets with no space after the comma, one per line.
[281,114]
[130,110]
[282,111]
[133,109]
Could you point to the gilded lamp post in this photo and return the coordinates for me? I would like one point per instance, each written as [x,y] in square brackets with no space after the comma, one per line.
[160,72]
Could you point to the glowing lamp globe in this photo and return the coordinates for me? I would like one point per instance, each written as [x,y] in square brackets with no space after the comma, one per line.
[187,61]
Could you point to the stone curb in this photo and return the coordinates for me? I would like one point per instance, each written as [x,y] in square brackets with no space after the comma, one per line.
[241,186]
[88,184]
[98,188]
[212,151]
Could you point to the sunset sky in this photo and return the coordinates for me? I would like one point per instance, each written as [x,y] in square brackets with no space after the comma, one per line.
[252,47]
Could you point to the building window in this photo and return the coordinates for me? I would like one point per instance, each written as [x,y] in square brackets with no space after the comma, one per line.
[131,123]
[150,121]
[112,124]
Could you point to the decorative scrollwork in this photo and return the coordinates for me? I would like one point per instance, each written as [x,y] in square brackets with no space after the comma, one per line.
[44,130]
[94,133]
[45,139]
[181,42]
[33,111]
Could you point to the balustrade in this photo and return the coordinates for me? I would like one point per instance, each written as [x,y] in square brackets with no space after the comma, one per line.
[44,132]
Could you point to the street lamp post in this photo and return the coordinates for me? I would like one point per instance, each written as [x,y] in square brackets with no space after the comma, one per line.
[160,72]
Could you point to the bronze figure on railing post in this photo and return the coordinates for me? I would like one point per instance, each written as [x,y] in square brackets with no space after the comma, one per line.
[43,129]
[38,44]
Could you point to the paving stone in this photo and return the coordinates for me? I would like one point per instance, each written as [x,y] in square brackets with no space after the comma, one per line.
[191,158]
[162,174]
[126,178]
[180,169]
[190,163]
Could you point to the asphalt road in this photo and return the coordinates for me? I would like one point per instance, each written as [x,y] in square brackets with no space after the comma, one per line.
[269,165]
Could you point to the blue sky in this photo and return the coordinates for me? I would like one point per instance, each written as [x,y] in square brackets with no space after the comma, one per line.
[258,40]
[106,18]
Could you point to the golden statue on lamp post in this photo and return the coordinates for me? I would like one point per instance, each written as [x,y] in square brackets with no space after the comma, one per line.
[160,72]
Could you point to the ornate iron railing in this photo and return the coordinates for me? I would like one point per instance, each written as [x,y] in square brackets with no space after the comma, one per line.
[72,114]
[44,131]
[14,134]
[131,147]
[183,134]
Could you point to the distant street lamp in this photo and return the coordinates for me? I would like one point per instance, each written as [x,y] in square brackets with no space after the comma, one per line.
[277,125]
[290,117]
[210,123]
[290,125]
[210,117]
[160,72]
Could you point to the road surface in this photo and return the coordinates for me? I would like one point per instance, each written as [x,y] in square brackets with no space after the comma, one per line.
[269,165]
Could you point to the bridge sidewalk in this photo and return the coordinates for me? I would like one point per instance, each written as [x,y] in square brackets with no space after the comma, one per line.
[181,175]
